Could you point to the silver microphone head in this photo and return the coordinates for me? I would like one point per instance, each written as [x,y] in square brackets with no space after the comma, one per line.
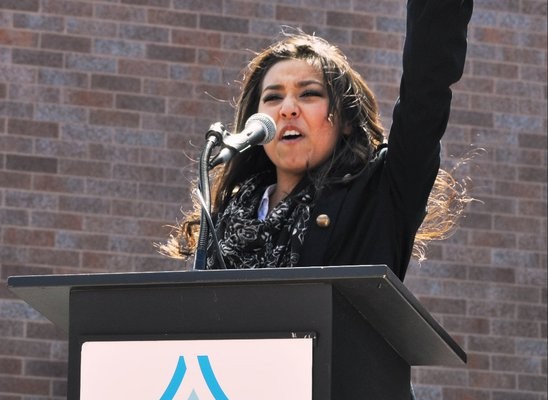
[267,122]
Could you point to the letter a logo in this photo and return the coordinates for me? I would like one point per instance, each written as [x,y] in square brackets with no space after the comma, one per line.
[207,374]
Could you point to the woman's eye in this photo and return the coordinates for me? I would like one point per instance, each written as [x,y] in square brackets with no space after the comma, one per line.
[271,97]
[311,93]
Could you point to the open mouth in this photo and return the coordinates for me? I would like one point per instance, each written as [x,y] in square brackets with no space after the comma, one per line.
[291,135]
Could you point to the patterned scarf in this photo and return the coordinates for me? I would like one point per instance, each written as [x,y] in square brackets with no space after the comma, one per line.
[247,242]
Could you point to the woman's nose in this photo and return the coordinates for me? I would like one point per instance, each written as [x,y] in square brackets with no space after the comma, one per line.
[289,108]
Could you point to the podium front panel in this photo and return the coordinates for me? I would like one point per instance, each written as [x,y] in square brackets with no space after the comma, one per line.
[243,369]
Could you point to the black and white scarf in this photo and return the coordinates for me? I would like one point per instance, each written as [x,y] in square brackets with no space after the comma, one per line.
[247,242]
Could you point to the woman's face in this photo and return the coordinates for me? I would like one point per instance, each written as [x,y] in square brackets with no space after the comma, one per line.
[293,93]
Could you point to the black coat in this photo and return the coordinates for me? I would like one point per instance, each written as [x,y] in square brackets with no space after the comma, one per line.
[374,219]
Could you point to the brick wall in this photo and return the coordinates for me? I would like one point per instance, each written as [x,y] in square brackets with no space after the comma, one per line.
[103,106]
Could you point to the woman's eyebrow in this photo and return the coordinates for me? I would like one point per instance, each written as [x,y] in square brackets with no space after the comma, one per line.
[279,86]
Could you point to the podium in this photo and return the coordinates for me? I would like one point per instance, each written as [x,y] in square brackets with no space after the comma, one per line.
[365,328]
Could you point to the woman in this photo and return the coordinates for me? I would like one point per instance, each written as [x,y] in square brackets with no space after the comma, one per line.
[329,189]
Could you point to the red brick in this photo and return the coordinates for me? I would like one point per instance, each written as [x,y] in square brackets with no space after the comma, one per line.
[27,386]
[469,256]
[67,7]
[23,348]
[444,306]
[82,241]
[167,88]
[213,6]
[532,312]
[97,261]
[381,40]
[171,53]
[224,23]
[37,58]
[493,309]
[114,118]
[504,275]
[489,344]
[350,20]
[441,376]
[532,243]
[142,68]
[532,383]
[31,163]
[534,7]
[466,325]
[494,239]
[172,18]
[140,103]
[85,205]
[187,107]
[120,13]
[465,394]
[106,152]
[477,220]
[116,83]
[10,327]
[168,123]
[55,183]
[65,43]
[517,224]
[56,220]
[20,5]
[493,380]
[59,388]
[144,33]
[32,237]
[91,27]
[252,10]
[478,361]
[533,141]
[97,169]
[495,70]
[136,209]
[33,128]
[193,37]
[473,118]
[54,258]
[531,107]
[18,38]
[528,365]
[89,98]
[10,366]
[515,328]
[496,36]
[519,89]
[14,180]
[42,368]
[138,173]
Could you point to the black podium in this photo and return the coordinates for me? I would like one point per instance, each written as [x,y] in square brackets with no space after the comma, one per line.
[367,328]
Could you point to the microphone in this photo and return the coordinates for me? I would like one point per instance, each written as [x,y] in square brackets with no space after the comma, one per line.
[259,129]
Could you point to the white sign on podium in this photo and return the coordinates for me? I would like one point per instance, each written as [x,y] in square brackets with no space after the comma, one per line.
[235,369]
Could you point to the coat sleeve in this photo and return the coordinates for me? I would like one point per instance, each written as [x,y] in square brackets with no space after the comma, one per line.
[433,59]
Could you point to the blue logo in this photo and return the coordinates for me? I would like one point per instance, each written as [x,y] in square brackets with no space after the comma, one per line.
[207,373]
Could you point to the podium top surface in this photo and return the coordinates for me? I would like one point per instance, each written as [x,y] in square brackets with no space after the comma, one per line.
[374,291]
